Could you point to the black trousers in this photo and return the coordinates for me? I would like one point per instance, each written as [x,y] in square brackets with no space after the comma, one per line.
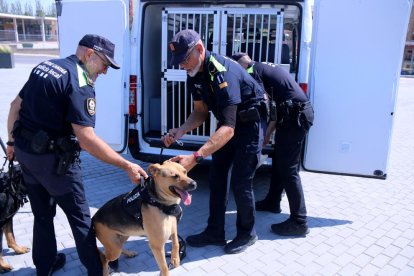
[234,165]
[285,170]
[46,189]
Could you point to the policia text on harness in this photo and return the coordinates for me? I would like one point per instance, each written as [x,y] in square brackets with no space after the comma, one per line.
[132,202]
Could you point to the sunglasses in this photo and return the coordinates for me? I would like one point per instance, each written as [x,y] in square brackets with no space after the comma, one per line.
[106,63]
[187,57]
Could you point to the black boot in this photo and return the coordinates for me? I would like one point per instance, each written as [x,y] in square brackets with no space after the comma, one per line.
[239,244]
[205,238]
[59,263]
[268,206]
[290,227]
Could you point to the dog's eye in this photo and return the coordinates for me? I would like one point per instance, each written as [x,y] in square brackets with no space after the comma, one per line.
[176,176]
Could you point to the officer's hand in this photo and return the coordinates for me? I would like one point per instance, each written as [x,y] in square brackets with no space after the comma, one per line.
[270,128]
[266,139]
[187,161]
[172,135]
[10,152]
[135,172]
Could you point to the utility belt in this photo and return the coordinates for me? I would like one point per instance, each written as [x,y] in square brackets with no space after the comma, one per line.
[254,112]
[297,113]
[40,142]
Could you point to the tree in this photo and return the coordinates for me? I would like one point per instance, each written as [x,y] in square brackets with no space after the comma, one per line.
[39,9]
[51,11]
[4,6]
[28,9]
[16,8]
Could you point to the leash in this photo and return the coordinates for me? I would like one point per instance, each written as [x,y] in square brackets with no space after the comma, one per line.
[181,242]
[180,143]
[181,251]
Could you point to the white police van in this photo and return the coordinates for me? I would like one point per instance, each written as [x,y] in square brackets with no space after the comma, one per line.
[345,54]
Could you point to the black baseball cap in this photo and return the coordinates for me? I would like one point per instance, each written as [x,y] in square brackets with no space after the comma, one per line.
[238,56]
[102,45]
[181,44]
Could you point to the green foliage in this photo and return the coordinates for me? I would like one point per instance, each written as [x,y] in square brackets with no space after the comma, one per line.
[28,9]
[39,9]
[5,49]
[52,10]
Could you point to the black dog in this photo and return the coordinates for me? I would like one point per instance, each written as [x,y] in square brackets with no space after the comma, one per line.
[12,197]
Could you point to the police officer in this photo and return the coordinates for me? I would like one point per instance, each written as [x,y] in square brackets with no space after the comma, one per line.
[56,105]
[220,85]
[294,118]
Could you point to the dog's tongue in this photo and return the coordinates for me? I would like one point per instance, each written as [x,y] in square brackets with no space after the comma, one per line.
[185,197]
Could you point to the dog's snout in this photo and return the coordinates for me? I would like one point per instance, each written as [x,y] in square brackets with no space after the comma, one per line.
[192,185]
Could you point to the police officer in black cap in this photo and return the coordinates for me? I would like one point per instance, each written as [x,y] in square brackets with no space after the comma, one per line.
[49,121]
[294,118]
[220,85]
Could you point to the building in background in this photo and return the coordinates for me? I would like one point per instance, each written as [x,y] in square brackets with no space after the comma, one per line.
[23,28]
[408,58]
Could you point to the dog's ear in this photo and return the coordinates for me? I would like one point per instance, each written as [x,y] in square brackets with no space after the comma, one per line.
[154,169]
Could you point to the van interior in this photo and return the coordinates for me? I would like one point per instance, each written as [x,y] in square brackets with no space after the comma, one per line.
[268,33]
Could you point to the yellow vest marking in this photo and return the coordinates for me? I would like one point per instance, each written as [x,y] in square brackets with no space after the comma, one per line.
[83,79]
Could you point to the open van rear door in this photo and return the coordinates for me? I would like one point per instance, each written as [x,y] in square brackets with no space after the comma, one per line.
[108,18]
[356,56]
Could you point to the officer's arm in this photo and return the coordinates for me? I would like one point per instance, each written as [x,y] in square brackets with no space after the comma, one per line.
[196,118]
[90,142]
[227,116]
[13,116]
[217,140]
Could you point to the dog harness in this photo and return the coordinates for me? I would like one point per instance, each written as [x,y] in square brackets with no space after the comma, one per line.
[12,191]
[145,194]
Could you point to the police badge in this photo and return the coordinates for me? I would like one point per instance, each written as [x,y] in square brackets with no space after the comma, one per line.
[91,106]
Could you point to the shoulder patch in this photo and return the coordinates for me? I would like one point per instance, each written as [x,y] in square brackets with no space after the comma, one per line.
[223,84]
[90,105]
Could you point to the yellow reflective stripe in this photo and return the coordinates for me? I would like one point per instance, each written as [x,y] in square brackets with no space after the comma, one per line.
[220,68]
[250,70]
[218,65]
[83,79]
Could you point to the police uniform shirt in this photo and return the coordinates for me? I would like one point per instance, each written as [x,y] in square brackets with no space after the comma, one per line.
[223,83]
[58,93]
[279,82]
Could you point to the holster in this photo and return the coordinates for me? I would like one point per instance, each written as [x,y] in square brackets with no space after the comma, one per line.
[296,113]
[249,115]
[39,142]
[68,149]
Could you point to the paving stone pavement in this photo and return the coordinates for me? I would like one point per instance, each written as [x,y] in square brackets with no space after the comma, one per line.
[359,226]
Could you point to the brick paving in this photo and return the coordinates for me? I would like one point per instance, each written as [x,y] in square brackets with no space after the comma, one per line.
[359,226]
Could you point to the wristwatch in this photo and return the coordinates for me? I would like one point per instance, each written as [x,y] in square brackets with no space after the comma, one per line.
[199,158]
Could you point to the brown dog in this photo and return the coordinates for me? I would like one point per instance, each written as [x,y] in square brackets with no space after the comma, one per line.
[156,218]
[12,197]
[7,227]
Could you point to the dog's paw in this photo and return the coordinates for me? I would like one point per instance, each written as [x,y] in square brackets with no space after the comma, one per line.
[175,261]
[129,253]
[20,249]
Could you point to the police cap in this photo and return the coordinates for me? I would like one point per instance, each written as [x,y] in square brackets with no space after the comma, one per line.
[182,43]
[102,45]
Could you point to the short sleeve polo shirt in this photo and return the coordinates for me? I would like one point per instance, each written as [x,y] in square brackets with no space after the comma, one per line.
[57,94]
